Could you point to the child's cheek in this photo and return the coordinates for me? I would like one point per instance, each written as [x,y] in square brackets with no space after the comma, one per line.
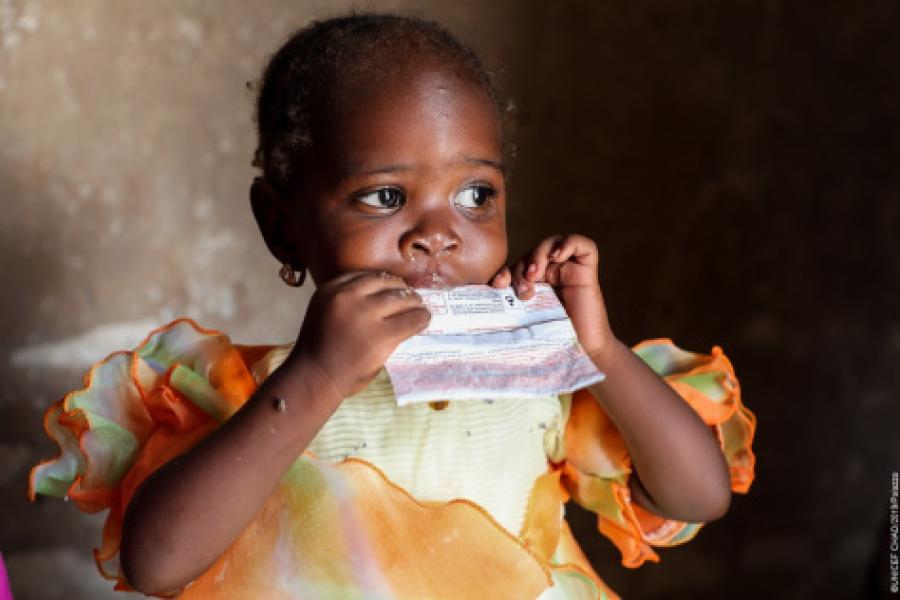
[485,261]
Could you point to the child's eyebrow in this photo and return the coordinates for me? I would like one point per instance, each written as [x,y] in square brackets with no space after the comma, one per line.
[485,162]
[469,160]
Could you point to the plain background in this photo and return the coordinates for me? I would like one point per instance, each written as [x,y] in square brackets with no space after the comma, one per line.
[736,162]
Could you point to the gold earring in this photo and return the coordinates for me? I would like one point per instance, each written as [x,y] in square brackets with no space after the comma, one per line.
[293,278]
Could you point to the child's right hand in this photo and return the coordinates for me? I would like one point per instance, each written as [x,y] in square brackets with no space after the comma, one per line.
[353,324]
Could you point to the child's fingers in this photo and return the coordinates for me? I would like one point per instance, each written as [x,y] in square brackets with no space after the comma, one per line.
[531,268]
[577,247]
[522,286]
[539,258]
[502,279]
[406,323]
[372,282]
[554,274]
[393,300]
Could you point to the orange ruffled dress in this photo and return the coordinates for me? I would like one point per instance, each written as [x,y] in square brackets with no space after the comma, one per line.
[338,525]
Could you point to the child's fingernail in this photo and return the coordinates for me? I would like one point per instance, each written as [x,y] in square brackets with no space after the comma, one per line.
[532,268]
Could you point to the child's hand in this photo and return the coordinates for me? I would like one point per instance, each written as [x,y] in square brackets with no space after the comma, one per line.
[353,324]
[568,263]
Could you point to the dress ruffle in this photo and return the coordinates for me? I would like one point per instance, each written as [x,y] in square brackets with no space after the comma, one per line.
[139,409]
[597,466]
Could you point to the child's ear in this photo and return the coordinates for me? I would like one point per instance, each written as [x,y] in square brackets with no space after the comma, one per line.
[276,222]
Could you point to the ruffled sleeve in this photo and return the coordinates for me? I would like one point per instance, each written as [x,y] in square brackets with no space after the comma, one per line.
[137,410]
[597,467]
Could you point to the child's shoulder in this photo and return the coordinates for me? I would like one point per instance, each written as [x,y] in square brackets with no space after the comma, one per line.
[179,381]
[186,342]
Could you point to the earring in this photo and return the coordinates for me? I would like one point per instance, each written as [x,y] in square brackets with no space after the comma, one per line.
[290,276]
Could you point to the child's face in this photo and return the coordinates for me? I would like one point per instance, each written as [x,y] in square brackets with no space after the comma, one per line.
[410,182]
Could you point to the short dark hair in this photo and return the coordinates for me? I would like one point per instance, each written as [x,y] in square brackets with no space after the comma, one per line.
[300,78]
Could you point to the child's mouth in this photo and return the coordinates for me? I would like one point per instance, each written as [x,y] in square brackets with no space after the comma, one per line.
[429,279]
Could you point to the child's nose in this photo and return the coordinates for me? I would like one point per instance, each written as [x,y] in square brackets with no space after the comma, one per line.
[432,243]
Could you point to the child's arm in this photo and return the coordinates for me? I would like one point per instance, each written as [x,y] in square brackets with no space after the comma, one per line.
[679,470]
[189,511]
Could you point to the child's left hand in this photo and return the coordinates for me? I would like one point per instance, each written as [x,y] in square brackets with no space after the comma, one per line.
[568,263]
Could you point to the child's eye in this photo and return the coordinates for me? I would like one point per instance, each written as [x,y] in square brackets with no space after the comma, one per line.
[383,198]
[474,196]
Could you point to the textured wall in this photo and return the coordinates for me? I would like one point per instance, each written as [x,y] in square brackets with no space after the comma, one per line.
[736,162]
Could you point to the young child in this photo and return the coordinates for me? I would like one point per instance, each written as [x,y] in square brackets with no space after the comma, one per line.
[288,471]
